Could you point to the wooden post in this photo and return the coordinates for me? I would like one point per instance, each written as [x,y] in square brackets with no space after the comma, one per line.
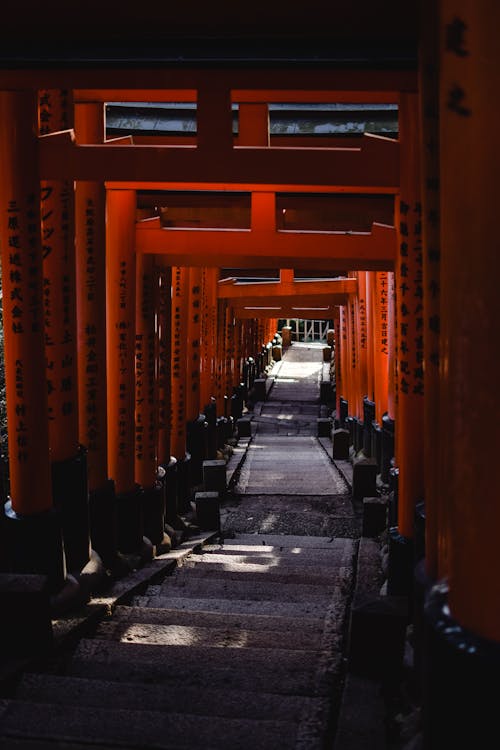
[193,344]
[381,342]
[90,246]
[146,401]
[69,468]
[180,277]
[410,321]
[121,300]
[462,645]
[32,531]
[163,306]
[436,520]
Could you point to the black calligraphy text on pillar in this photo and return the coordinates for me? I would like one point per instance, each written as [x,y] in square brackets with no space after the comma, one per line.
[92,367]
[23,297]
[410,297]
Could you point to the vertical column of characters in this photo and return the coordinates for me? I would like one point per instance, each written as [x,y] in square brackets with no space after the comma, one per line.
[208,332]
[339,386]
[229,351]
[163,308]
[193,344]
[345,355]
[362,338]
[410,320]
[354,409]
[146,401]
[121,297]
[180,281]
[220,356]
[392,346]
[381,341]
[370,333]
[90,240]
[55,112]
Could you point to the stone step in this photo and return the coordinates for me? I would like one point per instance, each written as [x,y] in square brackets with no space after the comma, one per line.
[256,573]
[283,541]
[310,608]
[254,590]
[188,635]
[312,627]
[206,701]
[258,519]
[293,557]
[140,728]
[270,670]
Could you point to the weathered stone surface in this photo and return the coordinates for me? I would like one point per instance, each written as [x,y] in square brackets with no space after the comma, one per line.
[144,728]
[195,701]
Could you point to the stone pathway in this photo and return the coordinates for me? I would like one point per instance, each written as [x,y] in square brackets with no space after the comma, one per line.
[243,645]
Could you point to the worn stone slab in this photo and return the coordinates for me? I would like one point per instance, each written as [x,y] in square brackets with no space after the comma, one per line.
[133,728]
[257,591]
[242,520]
[181,635]
[234,606]
[281,541]
[291,561]
[278,671]
[195,701]
[247,571]
[277,463]
[312,626]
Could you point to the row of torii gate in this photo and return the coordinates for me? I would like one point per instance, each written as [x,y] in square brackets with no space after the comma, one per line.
[127,325]
[91,327]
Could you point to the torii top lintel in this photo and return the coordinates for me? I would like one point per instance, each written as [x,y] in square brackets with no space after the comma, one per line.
[236,291]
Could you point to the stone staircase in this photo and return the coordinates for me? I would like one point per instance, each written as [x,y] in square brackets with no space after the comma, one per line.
[240,647]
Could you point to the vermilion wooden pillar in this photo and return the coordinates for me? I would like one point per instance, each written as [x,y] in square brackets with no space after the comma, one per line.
[32,530]
[193,344]
[391,332]
[69,470]
[436,521]
[463,610]
[146,401]
[90,242]
[370,332]
[180,276]
[345,356]
[220,355]
[352,328]
[167,463]
[121,303]
[410,320]
[362,338]
[381,342]
[339,364]
[229,352]
[163,306]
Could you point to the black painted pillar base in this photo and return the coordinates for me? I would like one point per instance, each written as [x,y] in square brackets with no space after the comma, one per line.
[71,500]
[103,524]
[34,544]
[401,564]
[130,527]
[173,521]
[153,513]
[422,585]
[460,702]
[184,484]
[26,616]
